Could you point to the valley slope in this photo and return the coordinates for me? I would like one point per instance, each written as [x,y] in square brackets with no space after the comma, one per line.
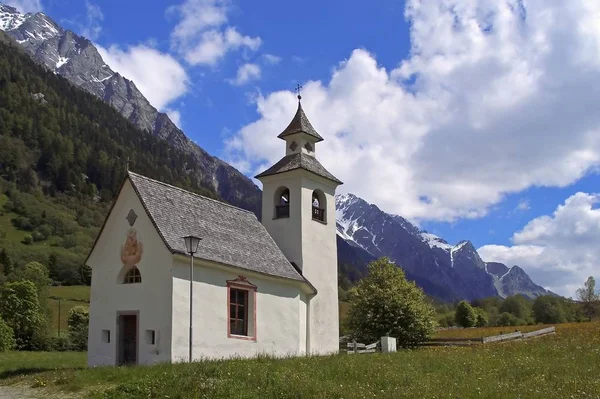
[78,60]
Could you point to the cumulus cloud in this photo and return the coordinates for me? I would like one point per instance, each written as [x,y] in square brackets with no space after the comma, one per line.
[175,116]
[495,97]
[25,6]
[523,205]
[271,59]
[94,16]
[559,251]
[159,76]
[246,73]
[202,35]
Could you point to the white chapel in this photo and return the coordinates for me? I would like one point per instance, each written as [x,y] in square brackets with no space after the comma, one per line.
[267,288]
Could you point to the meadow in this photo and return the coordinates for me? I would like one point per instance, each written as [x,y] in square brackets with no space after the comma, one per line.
[564,365]
[70,296]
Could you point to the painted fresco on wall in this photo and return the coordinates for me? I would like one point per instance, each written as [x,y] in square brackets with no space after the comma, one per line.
[131,252]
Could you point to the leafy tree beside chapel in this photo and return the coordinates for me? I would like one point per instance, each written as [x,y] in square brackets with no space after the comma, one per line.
[385,303]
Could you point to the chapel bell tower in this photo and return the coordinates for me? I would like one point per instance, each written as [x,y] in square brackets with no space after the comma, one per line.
[298,211]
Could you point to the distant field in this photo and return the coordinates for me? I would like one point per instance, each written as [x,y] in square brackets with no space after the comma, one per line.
[564,365]
[67,293]
[71,292]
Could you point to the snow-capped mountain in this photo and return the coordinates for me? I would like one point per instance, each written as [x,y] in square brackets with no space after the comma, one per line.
[77,59]
[446,271]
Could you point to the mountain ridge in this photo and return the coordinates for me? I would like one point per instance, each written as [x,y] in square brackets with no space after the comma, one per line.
[78,60]
[456,270]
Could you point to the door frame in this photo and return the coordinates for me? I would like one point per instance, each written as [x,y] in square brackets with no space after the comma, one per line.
[120,313]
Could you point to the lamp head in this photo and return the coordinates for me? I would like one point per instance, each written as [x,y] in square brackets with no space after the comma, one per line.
[191,244]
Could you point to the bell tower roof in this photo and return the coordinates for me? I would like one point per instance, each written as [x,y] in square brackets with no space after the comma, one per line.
[299,161]
[300,124]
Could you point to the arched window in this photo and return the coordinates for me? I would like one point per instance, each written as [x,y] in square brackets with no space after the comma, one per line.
[133,276]
[318,206]
[282,203]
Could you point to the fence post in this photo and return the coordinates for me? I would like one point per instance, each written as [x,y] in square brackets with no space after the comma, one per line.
[388,344]
[355,346]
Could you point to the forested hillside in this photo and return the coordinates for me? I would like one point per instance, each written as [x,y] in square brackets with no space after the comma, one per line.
[63,156]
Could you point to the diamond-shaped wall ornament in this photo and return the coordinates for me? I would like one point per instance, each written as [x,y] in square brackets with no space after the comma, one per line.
[131,217]
[293,146]
[308,147]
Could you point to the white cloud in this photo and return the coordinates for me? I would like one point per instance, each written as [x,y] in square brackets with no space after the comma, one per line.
[159,77]
[246,73]
[523,205]
[202,36]
[559,251]
[271,59]
[25,6]
[496,97]
[94,16]
[175,116]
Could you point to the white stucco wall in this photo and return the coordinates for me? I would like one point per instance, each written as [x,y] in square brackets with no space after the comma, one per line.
[151,298]
[319,266]
[280,327]
[286,232]
[312,246]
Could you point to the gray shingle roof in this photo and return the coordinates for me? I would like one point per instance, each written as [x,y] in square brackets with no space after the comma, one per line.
[230,235]
[299,161]
[300,124]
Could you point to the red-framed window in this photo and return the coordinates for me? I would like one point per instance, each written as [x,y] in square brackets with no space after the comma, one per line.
[238,311]
[241,309]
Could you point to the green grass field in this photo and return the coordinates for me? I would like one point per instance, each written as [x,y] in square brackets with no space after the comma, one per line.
[67,294]
[564,365]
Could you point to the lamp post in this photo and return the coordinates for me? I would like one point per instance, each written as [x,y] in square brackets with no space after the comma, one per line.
[191,246]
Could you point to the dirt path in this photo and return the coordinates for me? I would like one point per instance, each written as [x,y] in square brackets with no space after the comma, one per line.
[17,393]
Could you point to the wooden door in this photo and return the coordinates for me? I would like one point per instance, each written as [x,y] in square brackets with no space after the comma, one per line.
[128,339]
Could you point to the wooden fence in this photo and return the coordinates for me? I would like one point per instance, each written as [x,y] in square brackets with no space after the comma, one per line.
[358,348]
[382,345]
[488,340]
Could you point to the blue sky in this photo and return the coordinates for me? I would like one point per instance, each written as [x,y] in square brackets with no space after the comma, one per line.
[477,120]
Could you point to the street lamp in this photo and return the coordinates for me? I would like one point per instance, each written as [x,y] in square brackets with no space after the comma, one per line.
[191,246]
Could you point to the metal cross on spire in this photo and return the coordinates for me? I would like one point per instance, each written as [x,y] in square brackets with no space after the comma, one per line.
[298,89]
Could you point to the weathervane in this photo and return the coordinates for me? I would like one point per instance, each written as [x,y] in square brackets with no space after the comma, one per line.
[298,89]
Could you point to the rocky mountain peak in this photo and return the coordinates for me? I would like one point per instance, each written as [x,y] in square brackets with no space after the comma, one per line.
[10,17]
[77,59]
[444,270]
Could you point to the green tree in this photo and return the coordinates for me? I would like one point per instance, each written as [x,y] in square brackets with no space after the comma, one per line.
[38,275]
[78,322]
[548,310]
[482,318]
[385,303]
[588,296]
[53,267]
[507,319]
[465,315]
[7,337]
[20,309]
[518,306]
[6,262]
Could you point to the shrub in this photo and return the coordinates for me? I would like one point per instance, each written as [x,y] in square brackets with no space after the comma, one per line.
[506,319]
[384,303]
[59,344]
[28,239]
[465,315]
[78,321]
[482,318]
[7,337]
